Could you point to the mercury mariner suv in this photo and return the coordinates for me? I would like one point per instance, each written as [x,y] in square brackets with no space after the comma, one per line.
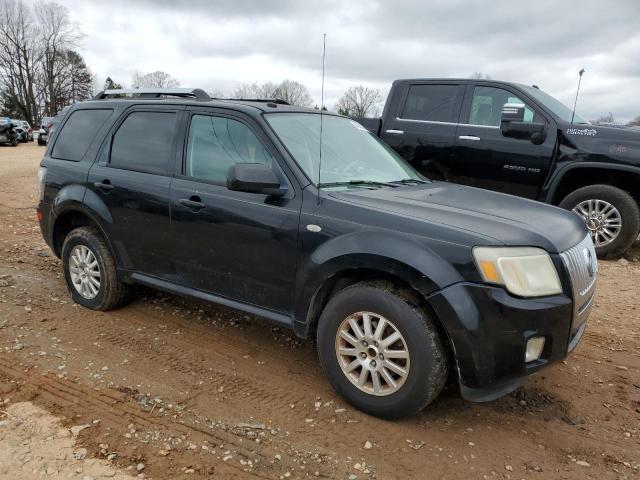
[307,219]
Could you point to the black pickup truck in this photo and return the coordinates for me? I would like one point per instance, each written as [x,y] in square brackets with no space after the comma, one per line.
[517,139]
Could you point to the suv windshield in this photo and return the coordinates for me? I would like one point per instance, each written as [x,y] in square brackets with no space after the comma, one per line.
[556,107]
[351,155]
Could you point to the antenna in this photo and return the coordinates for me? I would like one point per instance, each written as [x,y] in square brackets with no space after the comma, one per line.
[577,91]
[324,51]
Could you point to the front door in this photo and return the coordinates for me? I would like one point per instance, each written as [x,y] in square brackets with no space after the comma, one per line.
[485,158]
[242,246]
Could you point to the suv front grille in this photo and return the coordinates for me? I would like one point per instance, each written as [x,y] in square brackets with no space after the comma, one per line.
[582,265]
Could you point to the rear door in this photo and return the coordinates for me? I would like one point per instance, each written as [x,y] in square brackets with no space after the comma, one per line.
[422,126]
[132,178]
[485,158]
[239,245]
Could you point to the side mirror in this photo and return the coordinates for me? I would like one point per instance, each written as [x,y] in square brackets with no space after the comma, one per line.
[254,178]
[512,124]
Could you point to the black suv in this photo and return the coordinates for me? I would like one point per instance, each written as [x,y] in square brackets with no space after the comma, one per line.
[310,221]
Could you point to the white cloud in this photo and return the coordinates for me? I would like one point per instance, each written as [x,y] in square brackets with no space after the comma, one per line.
[215,45]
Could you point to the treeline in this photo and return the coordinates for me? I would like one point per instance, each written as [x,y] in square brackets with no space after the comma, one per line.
[41,70]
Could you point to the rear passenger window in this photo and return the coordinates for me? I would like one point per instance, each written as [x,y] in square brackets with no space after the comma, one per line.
[78,133]
[216,143]
[143,142]
[436,103]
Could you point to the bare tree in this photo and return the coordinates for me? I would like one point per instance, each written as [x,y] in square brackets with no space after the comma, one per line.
[604,119]
[19,58]
[155,79]
[635,122]
[359,101]
[294,93]
[255,90]
[57,35]
[479,76]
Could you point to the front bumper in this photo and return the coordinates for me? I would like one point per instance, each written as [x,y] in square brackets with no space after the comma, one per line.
[488,330]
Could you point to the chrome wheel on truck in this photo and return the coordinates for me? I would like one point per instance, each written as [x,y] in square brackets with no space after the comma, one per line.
[603,220]
[372,353]
[611,214]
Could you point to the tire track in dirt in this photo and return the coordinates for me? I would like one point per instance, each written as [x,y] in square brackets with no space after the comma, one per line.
[118,410]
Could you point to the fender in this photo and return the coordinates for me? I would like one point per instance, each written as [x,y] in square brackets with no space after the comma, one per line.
[406,258]
[564,169]
[80,199]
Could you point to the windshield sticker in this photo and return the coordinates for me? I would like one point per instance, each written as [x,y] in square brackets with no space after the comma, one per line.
[589,132]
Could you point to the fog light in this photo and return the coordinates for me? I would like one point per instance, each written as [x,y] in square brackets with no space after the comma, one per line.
[535,346]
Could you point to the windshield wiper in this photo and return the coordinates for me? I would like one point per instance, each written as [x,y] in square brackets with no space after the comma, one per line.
[358,182]
[409,181]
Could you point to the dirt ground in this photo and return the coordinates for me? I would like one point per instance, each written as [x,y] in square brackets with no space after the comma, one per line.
[171,388]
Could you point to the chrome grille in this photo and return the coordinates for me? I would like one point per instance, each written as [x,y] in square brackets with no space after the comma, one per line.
[582,265]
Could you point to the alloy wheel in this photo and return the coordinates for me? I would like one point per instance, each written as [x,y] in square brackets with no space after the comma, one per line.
[84,271]
[372,353]
[602,218]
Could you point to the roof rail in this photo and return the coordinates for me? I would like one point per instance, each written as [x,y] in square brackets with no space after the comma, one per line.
[195,93]
[262,100]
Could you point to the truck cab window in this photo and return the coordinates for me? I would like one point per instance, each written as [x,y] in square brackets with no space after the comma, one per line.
[435,103]
[487,103]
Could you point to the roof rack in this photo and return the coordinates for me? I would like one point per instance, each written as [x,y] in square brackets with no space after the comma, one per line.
[262,100]
[196,93]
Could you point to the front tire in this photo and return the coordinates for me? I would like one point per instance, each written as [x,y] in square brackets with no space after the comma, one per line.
[90,271]
[611,214]
[381,351]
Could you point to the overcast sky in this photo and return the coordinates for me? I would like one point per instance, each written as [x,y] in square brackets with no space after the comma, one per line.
[216,44]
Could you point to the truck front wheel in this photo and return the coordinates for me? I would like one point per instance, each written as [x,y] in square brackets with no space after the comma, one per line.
[380,350]
[611,214]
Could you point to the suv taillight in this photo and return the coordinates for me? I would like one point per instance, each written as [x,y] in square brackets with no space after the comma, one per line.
[42,175]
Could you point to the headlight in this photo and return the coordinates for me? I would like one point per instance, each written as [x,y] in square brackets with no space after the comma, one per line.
[524,271]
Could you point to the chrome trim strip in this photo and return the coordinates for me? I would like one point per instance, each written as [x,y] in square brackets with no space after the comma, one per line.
[445,123]
[581,264]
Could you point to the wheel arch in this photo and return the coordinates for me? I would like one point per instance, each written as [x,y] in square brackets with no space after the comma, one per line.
[580,175]
[73,216]
[339,263]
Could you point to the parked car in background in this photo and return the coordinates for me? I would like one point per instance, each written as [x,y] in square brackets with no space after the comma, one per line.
[27,128]
[45,130]
[8,134]
[401,280]
[49,124]
[517,139]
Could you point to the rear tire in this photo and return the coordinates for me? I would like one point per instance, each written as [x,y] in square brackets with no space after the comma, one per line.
[625,212]
[90,271]
[424,361]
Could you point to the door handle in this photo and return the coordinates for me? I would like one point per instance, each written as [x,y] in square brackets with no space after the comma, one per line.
[472,138]
[394,132]
[104,186]
[194,203]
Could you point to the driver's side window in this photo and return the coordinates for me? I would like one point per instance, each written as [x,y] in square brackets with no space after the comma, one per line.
[217,143]
[487,103]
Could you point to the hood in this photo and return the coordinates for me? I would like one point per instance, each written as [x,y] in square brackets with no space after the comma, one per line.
[621,144]
[507,219]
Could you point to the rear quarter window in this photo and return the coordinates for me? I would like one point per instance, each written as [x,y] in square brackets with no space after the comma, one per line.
[78,132]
